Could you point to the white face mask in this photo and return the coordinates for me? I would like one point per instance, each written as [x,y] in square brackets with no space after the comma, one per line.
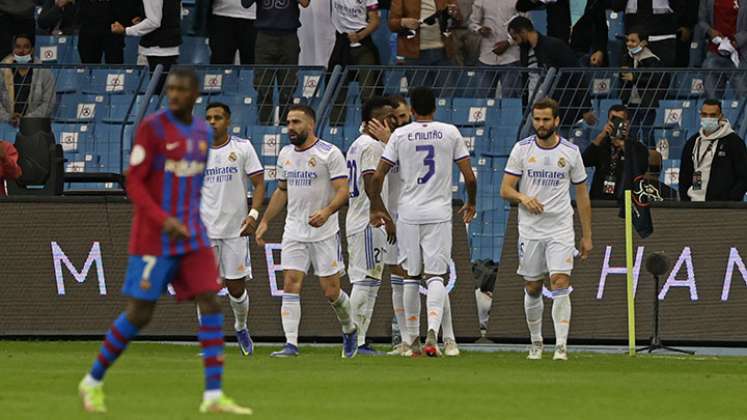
[709,124]
[22,59]
[635,50]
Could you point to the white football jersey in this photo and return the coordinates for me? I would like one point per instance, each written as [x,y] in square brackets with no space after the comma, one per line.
[309,174]
[547,175]
[363,157]
[224,192]
[425,151]
[395,188]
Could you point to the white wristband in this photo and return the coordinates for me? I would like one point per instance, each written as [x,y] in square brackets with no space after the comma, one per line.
[254,214]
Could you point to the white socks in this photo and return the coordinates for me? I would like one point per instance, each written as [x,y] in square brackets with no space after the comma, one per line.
[240,309]
[398,304]
[212,395]
[533,308]
[561,315]
[411,300]
[362,302]
[446,323]
[290,313]
[342,309]
[484,304]
[435,303]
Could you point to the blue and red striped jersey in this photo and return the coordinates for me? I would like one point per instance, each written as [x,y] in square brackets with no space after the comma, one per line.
[164,180]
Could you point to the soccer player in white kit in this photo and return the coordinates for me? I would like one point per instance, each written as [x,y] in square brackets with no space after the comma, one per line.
[543,167]
[232,164]
[366,243]
[425,150]
[313,181]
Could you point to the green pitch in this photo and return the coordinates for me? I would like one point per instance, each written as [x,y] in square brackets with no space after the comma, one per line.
[38,380]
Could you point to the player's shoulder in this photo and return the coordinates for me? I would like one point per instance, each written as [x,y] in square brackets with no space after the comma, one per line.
[564,143]
[325,148]
[157,118]
[523,144]
[361,143]
[288,148]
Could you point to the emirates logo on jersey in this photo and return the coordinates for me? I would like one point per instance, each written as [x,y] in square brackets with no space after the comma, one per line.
[232,157]
[561,162]
[312,162]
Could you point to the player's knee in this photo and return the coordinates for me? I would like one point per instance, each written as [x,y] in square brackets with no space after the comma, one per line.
[236,287]
[331,290]
[139,312]
[208,303]
[560,281]
[533,288]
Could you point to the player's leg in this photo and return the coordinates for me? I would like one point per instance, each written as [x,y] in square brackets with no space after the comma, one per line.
[447,326]
[295,261]
[396,277]
[198,279]
[411,260]
[235,269]
[146,278]
[366,266]
[532,267]
[326,257]
[435,242]
[560,263]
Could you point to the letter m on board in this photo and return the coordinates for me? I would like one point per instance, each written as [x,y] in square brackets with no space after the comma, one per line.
[94,257]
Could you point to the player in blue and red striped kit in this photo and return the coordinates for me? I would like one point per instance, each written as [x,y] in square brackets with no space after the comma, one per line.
[168,242]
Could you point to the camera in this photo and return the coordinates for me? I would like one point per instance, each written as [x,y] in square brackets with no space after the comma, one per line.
[618,128]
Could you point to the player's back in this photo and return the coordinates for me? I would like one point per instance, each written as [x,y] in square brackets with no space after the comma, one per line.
[165,180]
[425,152]
[362,158]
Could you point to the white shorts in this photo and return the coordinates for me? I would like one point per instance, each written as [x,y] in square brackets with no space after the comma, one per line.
[233,257]
[325,256]
[424,247]
[366,250]
[391,253]
[548,256]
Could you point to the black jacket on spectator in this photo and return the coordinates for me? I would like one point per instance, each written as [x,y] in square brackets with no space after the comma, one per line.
[658,24]
[558,17]
[169,34]
[728,178]
[66,17]
[97,15]
[550,52]
[600,158]
[271,17]
[651,86]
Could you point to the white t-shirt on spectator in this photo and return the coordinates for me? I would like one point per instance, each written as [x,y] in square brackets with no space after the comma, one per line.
[351,15]
[234,9]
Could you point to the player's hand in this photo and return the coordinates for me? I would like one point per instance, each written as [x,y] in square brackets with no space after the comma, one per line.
[500,47]
[485,31]
[531,204]
[379,218]
[260,233]
[175,229]
[319,217]
[410,23]
[117,28]
[354,37]
[586,247]
[136,20]
[249,226]
[596,59]
[380,131]
[468,212]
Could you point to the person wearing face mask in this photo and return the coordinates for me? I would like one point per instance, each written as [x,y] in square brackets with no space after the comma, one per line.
[714,161]
[641,91]
[25,91]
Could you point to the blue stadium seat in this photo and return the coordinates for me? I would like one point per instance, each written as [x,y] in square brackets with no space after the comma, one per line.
[121,109]
[687,85]
[8,132]
[539,20]
[670,169]
[478,140]
[219,81]
[246,83]
[395,82]
[443,109]
[71,80]
[472,112]
[336,136]
[732,109]
[677,113]
[56,49]
[670,142]
[188,17]
[76,140]
[107,146]
[113,81]
[81,108]
[194,50]
[132,45]
[310,86]
[615,24]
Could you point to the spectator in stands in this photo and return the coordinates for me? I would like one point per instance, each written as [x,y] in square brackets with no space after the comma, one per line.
[16,17]
[466,41]
[572,94]
[606,154]
[354,22]
[25,91]
[160,33]
[231,29]
[9,169]
[714,161]
[277,44]
[490,18]
[422,41]
[725,23]
[642,91]
[666,20]
[686,34]
[558,16]
[95,18]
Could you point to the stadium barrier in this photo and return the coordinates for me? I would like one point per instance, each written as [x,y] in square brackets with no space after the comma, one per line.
[702,297]
[64,261]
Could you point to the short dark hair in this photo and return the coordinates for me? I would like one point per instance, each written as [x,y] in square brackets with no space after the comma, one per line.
[398,100]
[305,109]
[25,36]
[220,105]
[713,102]
[182,72]
[641,31]
[520,23]
[618,108]
[422,100]
[547,103]
[373,105]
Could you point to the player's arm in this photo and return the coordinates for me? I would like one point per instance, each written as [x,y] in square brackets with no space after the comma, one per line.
[470,183]
[583,205]
[378,212]
[342,191]
[510,192]
[258,197]
[368,181]
[276,205]
[141,160]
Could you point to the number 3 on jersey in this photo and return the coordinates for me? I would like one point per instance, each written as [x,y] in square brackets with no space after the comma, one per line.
[353,178]
[428,161]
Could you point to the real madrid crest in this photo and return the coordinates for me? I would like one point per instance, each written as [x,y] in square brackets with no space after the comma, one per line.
[561,162]
[312,162]
[232,157]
